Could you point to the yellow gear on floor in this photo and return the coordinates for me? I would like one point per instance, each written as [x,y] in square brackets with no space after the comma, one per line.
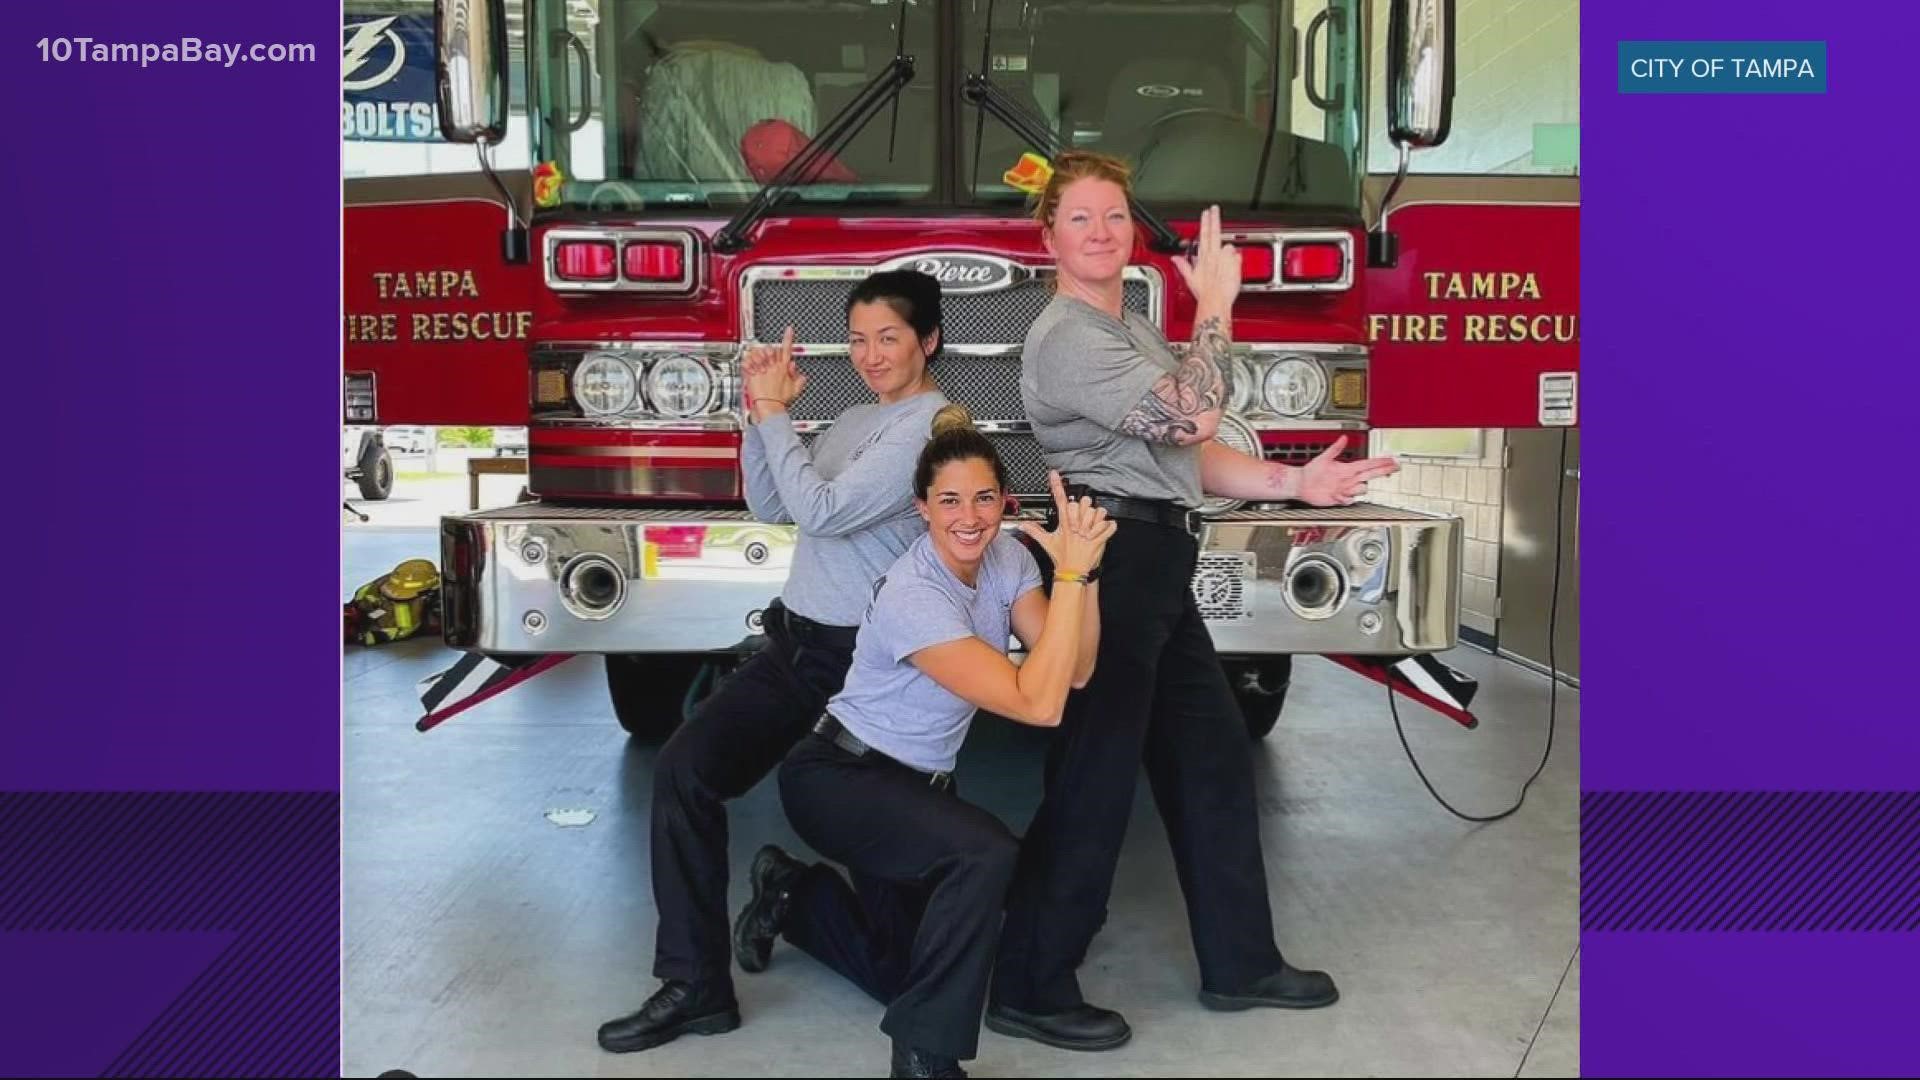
[410,579]
[397,604]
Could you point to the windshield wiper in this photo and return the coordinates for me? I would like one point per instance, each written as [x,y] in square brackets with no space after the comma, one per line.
[845,124]
[980,92]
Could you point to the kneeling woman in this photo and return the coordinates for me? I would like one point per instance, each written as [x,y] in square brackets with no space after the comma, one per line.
[872,787]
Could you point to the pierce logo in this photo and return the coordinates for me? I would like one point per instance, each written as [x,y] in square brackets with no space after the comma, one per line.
[965,273]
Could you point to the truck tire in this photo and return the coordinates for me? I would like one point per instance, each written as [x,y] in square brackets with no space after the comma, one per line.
[1260,686]
[376,476]
[653,692]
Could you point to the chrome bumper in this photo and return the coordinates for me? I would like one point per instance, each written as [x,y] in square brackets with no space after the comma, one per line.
[545,579]
[1352,579]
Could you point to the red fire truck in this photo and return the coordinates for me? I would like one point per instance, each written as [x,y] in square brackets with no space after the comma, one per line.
[709,172]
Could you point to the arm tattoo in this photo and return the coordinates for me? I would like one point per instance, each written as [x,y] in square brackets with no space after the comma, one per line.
[1171,410]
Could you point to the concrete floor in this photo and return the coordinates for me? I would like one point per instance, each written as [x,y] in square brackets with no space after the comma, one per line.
[480,937]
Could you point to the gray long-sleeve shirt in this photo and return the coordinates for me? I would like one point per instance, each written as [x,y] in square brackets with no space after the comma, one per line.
[852,499]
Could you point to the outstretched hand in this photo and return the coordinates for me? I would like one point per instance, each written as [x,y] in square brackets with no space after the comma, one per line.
[1328,481]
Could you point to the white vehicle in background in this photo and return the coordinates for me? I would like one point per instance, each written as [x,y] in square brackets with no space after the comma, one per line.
[411,440]
[510,441]
[365,460]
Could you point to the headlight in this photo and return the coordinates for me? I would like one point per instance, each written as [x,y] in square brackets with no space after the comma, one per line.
[1244,377]
[604,385]
[679,386]
[1295,387]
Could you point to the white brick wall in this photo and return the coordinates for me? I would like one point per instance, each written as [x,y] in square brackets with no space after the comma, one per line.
[1470,490]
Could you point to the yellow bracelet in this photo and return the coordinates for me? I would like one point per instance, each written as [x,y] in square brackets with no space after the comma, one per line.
[1069,576]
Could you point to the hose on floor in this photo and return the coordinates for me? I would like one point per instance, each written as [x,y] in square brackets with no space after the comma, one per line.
[1553,667]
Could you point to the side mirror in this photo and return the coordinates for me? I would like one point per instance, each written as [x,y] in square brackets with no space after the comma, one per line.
[1419,99]
[470,39]
[1420,72]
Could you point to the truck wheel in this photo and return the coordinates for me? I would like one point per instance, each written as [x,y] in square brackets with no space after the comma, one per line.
[653,692]
[1260,685]
[376,476]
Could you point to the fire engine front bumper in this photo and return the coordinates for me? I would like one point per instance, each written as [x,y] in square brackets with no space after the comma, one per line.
[545,579]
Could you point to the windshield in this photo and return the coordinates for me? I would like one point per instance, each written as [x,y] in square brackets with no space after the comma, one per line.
[661,104]
[699,102]
[1182,89]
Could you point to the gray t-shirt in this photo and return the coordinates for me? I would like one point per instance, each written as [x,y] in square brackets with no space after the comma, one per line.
[1081,372]
[852,498]
[890,704]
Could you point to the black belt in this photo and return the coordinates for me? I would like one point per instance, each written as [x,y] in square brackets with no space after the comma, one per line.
[807,632]
[1157,511]
[831,730]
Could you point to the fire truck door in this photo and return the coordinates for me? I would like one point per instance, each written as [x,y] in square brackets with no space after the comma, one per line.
[431,308]
[1479,324]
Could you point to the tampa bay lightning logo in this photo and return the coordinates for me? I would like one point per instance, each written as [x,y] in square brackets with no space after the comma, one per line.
[372,54]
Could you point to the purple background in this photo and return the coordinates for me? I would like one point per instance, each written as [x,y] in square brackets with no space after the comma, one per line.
[175,378]
[174,300]
[1748,337]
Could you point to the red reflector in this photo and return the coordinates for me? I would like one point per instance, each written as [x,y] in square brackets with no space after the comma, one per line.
[1256,263]
[1313,262]
[655,261]
[676,541]
[583,260]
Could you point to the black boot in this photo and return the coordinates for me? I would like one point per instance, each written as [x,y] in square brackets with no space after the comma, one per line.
[909,1061]
[676,1009]
[1083,1027]
[773,875]
[1288,988]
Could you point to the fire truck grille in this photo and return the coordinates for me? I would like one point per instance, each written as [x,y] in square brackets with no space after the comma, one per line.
[989,386]
[1020,453]
[1026,465]
[817,311]
[1301,453]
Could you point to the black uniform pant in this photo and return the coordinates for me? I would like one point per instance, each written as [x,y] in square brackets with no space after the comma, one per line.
[916,931]
[1158,693]
[731,743]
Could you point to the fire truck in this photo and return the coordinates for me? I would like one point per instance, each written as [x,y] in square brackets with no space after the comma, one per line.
[710,172]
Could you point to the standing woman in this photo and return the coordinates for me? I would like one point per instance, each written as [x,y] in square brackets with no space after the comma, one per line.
[873,787]
[1130,423]
[851,498]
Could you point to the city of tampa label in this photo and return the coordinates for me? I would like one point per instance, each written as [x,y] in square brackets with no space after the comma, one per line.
[1711,67]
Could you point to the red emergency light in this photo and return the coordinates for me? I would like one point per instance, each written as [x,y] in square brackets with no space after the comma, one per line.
[1256,263]
[583,260]
[1312,263]
[663,260]
[654,260]
[1295,260]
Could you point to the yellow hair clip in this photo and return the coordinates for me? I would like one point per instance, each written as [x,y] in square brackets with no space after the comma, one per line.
[1030,174]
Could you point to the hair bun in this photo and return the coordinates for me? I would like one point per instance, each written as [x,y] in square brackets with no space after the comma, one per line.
[951,418]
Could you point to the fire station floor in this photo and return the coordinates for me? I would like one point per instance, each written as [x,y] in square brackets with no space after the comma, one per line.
[497,904]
